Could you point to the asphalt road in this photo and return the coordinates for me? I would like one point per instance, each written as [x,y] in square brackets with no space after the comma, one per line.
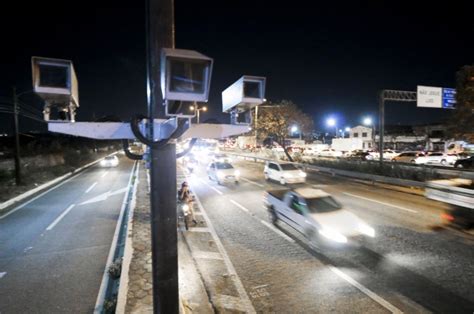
[410,266]
[53,251]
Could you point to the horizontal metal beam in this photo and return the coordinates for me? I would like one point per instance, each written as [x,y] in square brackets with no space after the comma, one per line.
[162,129]
[399,95]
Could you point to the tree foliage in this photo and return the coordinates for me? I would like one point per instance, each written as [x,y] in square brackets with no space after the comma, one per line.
[276,119]
[461,125]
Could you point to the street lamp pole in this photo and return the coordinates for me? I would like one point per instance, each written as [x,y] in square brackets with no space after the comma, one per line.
[17,139]
[256,125]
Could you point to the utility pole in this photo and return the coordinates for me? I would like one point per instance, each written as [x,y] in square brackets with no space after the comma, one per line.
[17,139]
[160,34]
[256,125]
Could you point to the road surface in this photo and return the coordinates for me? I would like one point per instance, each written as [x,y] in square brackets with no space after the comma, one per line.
[53,251]
[409,267]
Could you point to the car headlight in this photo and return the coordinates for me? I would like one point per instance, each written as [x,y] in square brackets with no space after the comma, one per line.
[333,235]
[102,162]
[303,174]
[237,173]
[365,229]
[185,207]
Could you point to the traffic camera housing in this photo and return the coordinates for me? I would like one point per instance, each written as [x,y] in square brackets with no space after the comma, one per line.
[185,78]
[55,81]
[239,98]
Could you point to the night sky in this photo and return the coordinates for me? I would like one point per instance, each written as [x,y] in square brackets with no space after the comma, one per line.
[328,59]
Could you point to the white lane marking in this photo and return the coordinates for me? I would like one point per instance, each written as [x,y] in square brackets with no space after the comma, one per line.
[198,229]
[369,293]
[211,186]
[280,233]
[27,249]
[261,286]
[36,197]
[104,174]
[54,223]
[245,300]
[3,274]
[91,187]
[104,196]
[239,206]
[253,182]
[383,203]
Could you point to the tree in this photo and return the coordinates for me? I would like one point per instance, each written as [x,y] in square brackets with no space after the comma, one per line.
[461,125]
[276,119]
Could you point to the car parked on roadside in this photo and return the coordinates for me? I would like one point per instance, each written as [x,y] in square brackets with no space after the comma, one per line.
[439,158]
[329,152]
[283,172]
[410,157]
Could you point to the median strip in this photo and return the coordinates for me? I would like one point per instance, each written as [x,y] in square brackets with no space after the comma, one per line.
[383,203]
[54,223]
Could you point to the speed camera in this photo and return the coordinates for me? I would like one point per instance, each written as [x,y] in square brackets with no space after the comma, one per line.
[243,95]
[185,75]
[54,80]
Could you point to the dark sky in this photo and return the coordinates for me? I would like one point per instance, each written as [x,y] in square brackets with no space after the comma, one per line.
[330,59]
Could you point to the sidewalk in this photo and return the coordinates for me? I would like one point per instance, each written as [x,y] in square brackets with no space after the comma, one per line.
[136,290]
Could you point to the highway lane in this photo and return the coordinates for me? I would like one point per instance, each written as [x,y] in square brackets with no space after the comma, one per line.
[410,266]
[53,251]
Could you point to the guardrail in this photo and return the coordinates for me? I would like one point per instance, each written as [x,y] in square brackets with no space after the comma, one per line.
[345,173]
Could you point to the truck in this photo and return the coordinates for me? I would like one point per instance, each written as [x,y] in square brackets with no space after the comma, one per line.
[459,194]
[317,216]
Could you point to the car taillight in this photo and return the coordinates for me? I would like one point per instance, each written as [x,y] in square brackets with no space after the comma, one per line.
[446,216]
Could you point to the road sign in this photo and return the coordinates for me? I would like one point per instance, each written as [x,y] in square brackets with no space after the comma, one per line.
[449,98]
[429,97]
[436,97]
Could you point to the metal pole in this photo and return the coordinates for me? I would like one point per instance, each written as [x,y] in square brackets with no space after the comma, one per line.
[160,34]
[17,139]
[256,125]
[197,114]
[381,123]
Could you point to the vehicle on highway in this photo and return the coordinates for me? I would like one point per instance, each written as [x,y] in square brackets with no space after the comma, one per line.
[389,154]
[219,157]
[439,158]
[283,172]
[360,155]
[109,161]
[191,163]
[410,157]
[317,215]
[459,194]
[467,163]
[329,152]
[223,172]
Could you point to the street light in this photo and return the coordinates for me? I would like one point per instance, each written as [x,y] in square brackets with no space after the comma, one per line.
[368,122]
[332,122]
[198,110]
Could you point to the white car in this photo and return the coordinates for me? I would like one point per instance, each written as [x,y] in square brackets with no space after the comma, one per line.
[318,216]
[222,172]
[389,154]
[109,161]
[283,173]
[440,158]
[221,158]
[330,153]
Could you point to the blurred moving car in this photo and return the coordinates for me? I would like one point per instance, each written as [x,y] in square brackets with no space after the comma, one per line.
[109,161]
[317,215]
[459,194]
[410,157]
[283,172]
[221,158]
[465,163]
[359,155]
[439,158]
[222,172]
[329,152]
[389,154]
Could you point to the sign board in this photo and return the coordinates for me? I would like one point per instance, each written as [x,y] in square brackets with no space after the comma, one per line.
[449,98]
[436,97]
